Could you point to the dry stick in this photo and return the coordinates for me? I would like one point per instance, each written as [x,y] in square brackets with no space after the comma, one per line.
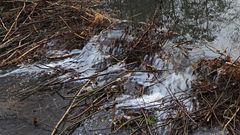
[69,108]
[10,57]
[218,103]
[182,43]
[40,43]
[31,90]
[3,24]
[142,36]
[86,110]
[213,107]
[7,43]
[29,16]
[225,126]
[64,5]
[74,127]
[147,124]
[180,105]
[14,23]
[29,51]
[62,56]
[125,123]
[8,32]
[148,29]
[71,30]
[127,71]
[21,57]
[215,50]
[123,73]
[229,79]
[99,89]
[140,127]
[22,39]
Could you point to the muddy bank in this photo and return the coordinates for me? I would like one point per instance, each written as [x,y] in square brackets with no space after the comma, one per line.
[35,115]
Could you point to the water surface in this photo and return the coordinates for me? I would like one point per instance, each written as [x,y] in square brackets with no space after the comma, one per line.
[212,22]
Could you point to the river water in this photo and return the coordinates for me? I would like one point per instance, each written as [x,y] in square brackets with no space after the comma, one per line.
[207,24]
[212,22]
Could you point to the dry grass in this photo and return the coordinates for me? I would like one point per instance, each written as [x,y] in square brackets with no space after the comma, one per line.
[27,26]
[218,94]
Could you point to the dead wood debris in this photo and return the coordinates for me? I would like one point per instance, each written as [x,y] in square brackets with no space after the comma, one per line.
[26,27]
[215,96]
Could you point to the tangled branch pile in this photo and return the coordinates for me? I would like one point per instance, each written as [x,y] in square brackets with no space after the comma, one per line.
[27,26]
[218,94]
[215,97]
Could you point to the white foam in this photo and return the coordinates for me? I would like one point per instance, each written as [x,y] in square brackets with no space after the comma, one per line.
[83,62]
[164,86]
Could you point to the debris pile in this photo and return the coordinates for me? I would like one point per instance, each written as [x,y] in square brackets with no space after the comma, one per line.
[214,97]
[217,92]
[26,27]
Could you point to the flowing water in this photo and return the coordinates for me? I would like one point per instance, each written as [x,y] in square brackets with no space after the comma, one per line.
[211,22]
[208,24]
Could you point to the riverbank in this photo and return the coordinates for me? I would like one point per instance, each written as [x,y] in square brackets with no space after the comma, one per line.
[27,28]
[71,63]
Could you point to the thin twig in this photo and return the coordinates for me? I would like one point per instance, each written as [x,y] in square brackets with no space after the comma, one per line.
[69,108]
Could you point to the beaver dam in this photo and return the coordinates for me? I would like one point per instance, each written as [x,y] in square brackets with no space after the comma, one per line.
[119,67]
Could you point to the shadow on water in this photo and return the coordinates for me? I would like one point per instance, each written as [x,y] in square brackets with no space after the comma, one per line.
[191,17]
